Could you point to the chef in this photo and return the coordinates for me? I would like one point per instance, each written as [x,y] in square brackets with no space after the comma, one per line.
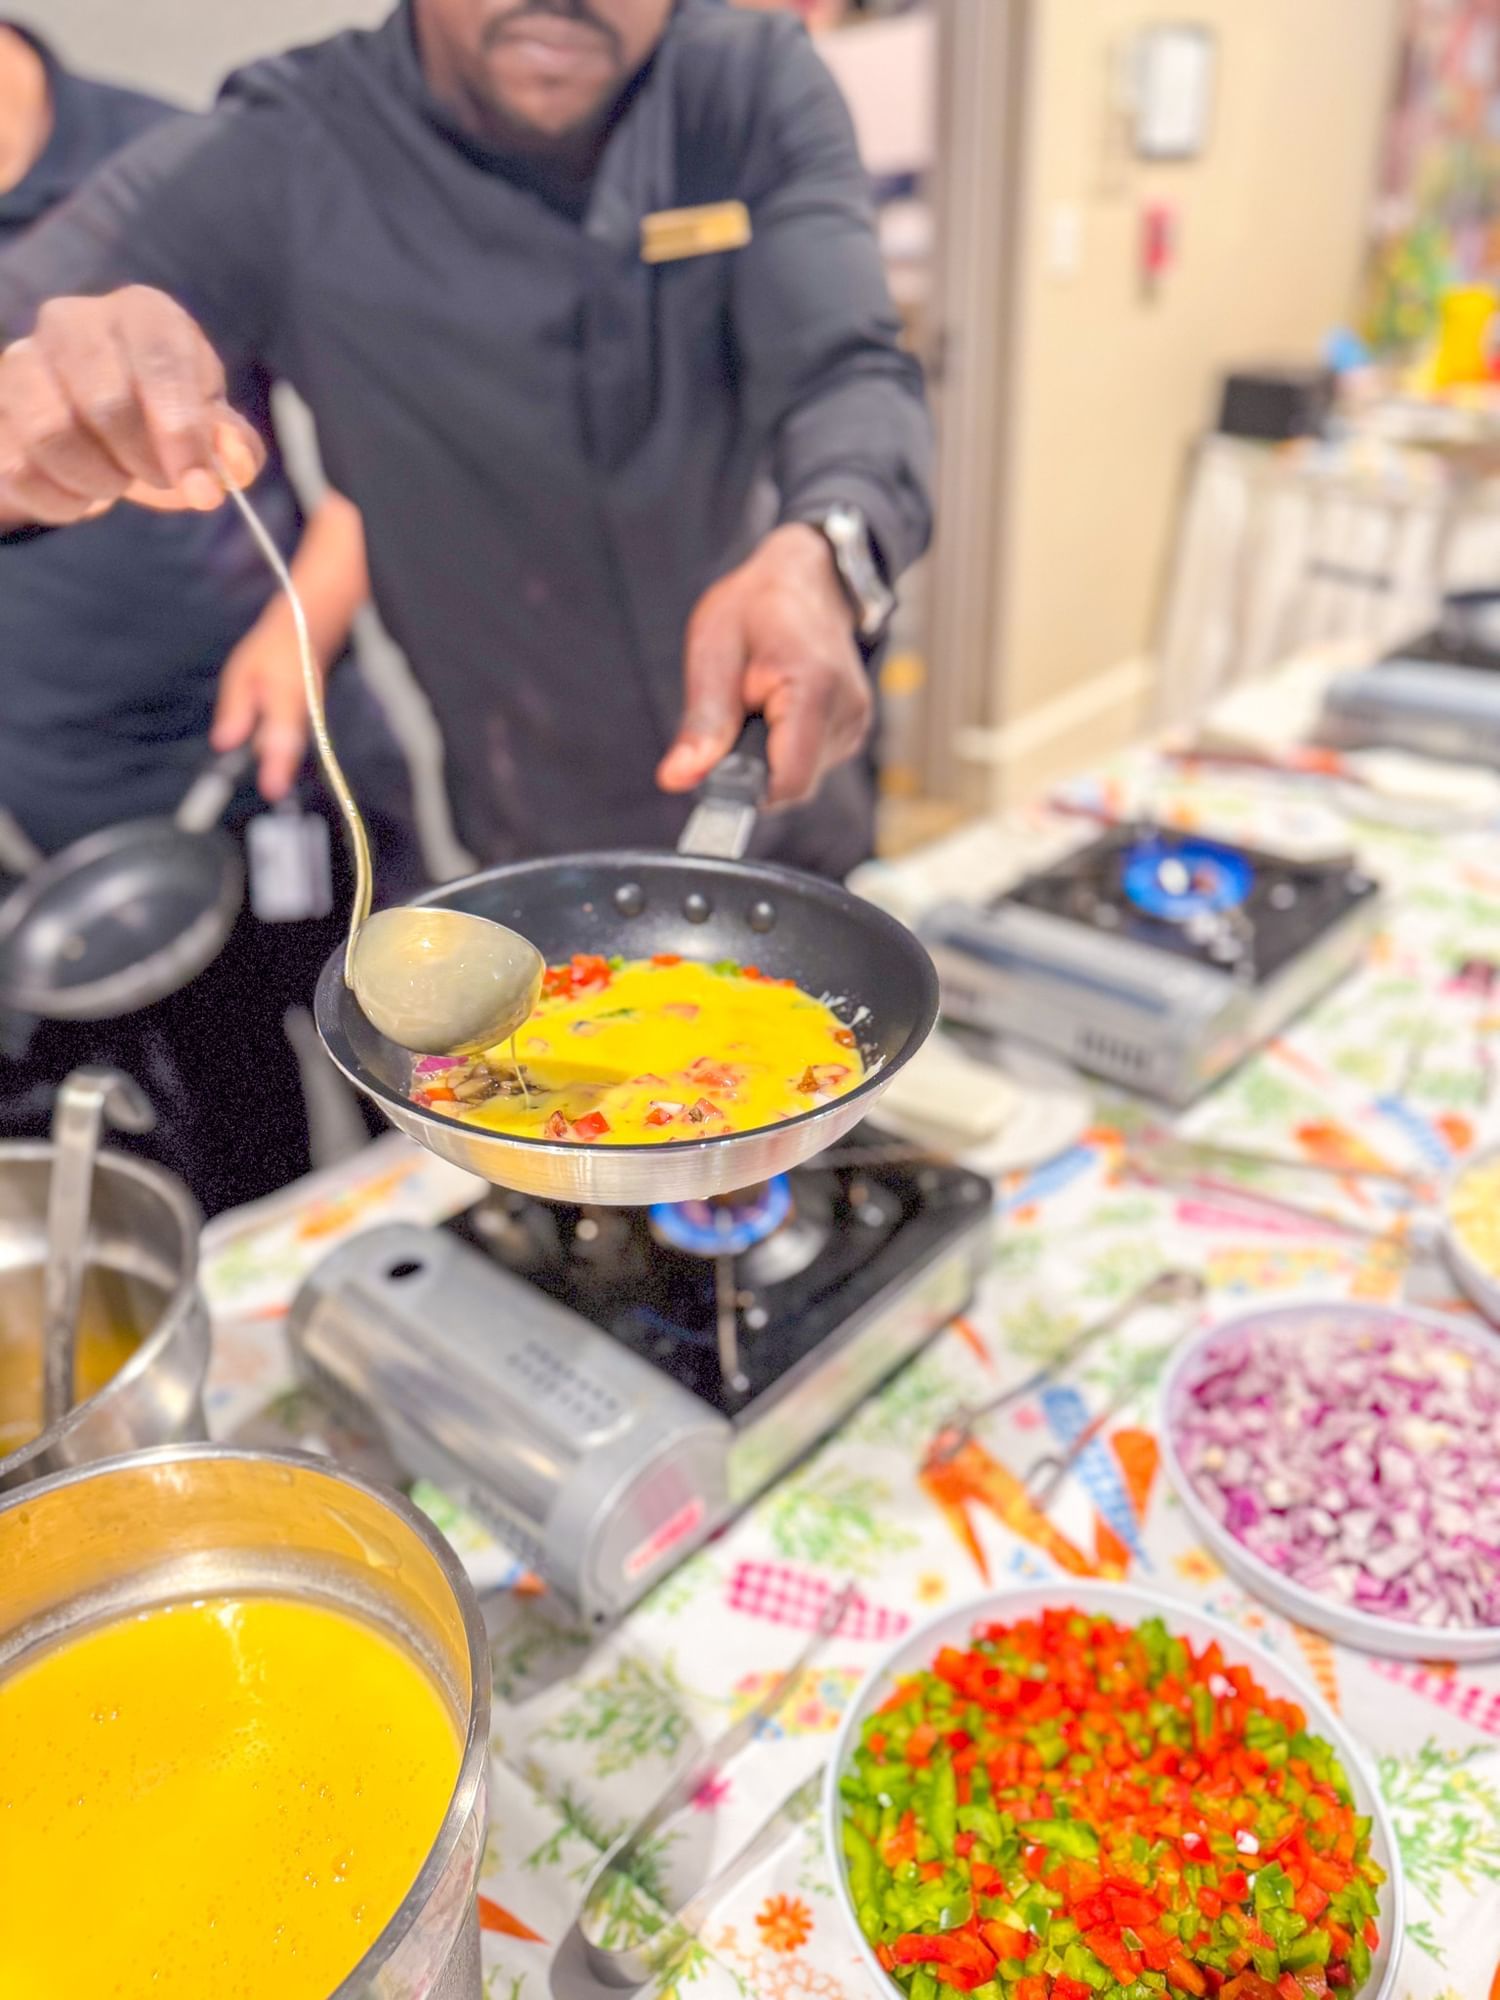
[129,646]
[586,299]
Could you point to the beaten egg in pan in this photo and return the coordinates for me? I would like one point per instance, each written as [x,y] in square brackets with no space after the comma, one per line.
[646,1051]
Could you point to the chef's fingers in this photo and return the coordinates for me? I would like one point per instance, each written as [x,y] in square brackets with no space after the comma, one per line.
[42,421]
[179,388]
[797,714]
[714,710]
[818,715]
[260,693]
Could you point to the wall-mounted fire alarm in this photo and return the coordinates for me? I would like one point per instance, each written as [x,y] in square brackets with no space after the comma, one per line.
[1173,79]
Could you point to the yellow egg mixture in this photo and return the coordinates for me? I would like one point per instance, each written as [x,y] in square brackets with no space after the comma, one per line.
[115,1313]
[228,1798]
[653,1050]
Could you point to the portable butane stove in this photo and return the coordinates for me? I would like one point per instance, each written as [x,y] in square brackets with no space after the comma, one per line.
[1437,695]
[1151,957]
[605,1387]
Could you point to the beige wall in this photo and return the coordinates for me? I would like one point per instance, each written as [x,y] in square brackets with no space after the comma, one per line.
[1110,386]
[182,48]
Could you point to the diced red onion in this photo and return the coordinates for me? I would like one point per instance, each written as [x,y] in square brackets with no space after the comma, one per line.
[1358,1452]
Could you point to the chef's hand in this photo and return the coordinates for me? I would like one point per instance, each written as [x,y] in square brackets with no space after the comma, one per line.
[261,697]
[775,637]
[115,398]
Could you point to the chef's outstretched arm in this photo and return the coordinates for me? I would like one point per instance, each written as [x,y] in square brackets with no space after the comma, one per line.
[116,312]
[818,348]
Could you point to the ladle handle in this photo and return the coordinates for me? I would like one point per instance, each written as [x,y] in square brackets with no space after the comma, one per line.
[84,1101]
[312,685]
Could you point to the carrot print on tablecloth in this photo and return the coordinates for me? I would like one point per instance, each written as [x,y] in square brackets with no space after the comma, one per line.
[492,1917]
[1320,1657]
[975,1478]
[1138,1458]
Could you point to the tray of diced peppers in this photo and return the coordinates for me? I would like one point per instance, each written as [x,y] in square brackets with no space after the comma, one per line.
[1071,1800]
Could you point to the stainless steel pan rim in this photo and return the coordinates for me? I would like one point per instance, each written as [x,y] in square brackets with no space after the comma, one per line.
[635,1173]
[358,1983]
[180,1303]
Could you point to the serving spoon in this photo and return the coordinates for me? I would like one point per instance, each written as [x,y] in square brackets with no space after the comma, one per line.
[437,982]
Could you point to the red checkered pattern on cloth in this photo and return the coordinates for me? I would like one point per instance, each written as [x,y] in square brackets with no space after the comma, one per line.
[1477,1706]
[786,1596]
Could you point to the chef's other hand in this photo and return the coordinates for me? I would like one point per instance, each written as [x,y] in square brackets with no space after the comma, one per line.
[119,397]
[261,696]
[774,637]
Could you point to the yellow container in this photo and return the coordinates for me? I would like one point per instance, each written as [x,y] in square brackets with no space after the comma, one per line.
[1465,317]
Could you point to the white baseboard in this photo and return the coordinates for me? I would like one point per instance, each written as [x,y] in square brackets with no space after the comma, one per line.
[1063,734]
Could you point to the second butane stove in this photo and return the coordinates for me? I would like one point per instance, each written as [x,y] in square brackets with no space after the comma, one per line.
[1154,958]
[606,1387]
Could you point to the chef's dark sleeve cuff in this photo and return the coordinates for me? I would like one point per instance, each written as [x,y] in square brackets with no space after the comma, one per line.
[12,538]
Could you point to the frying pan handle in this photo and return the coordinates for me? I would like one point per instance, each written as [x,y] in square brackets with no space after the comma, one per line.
[19,854]
[210,792]
[741,777]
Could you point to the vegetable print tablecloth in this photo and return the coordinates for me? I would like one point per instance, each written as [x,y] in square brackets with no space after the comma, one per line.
[1394,1062]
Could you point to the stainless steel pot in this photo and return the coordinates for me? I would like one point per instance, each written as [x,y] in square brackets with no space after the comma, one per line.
[195,1520]
[144,1228]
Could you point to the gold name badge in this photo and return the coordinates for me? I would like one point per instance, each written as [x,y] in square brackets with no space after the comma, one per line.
[674,233]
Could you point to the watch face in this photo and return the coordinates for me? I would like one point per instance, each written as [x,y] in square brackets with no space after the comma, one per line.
[868,593]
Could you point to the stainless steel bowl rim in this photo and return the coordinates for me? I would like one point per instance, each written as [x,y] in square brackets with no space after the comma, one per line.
[475,1752]
[1133,1602]
[185,1214]
[1388,1638]
[870,1085]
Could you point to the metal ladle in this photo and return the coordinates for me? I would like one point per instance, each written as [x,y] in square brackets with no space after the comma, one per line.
[437,982]
[85,1101]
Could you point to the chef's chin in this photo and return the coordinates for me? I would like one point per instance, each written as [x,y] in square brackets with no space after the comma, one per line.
[543,93]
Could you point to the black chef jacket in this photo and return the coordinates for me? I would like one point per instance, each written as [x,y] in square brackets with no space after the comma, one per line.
[113,634]
[555,446]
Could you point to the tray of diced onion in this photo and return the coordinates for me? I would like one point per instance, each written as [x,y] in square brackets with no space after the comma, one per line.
[1342,1459]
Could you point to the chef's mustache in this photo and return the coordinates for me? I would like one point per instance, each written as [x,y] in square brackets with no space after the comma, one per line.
[499,25]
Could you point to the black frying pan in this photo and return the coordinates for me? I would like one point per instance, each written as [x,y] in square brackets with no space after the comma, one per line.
[878,978]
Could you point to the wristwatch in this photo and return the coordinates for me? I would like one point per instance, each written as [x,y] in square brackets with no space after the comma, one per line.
[871,598]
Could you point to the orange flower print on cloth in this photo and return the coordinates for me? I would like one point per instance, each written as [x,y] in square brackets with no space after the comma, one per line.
[784,1922]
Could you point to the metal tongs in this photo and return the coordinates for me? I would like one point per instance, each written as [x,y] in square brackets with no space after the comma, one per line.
[1166,1288]
[655,1942]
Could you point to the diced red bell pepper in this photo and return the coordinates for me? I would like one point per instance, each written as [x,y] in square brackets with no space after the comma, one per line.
[963,1846]
[591,1126]
[662,1113]
[921,1743]
[959,1950]
[1234,1886]
[931,1871]
[1310,1901]
[987,1881]
[1185,1977]
[1064,1988]
[666,958]
[1005,1941]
